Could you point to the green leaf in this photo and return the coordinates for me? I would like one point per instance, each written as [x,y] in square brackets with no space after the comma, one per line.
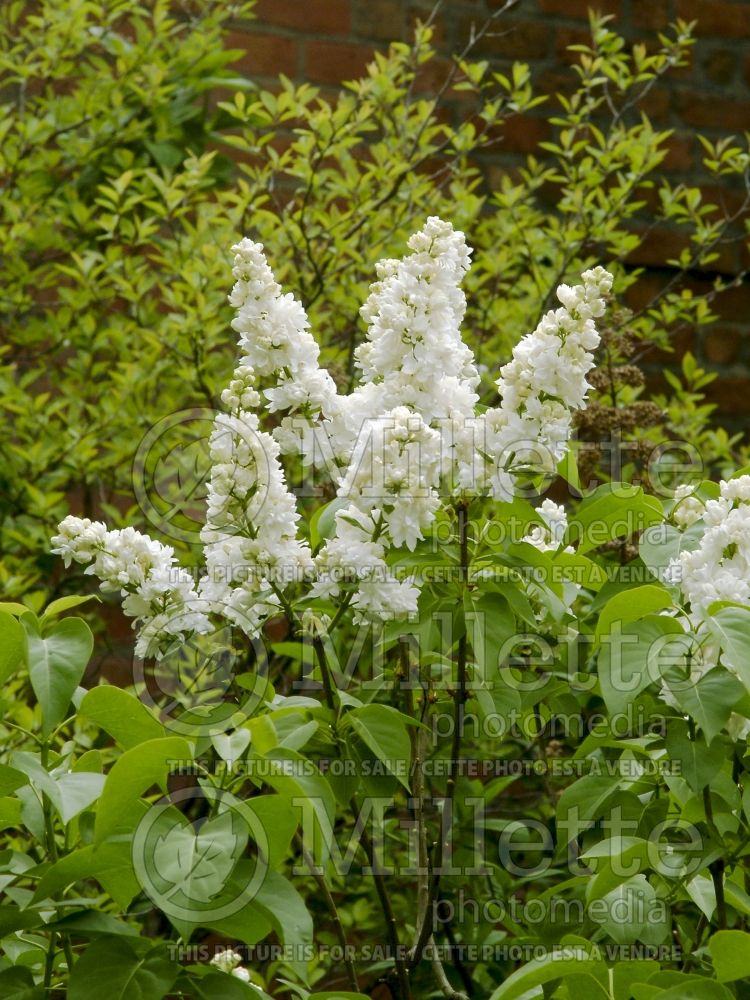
[112,867]
[628,973]
[630,660]
[585,800]
[91,923]
[17,983]
[64,604]
[196,864]
[291,775]
[248,924]
[121,714]
[567,467]
[629,907]
[57,663]
[630,606]
[41,779]
[491,623]
[613,856]
[11,645]
[222,986]
[137,770]
[323,521]
[614,510]
[285,909]
[70,793]
[559,964]
[737,897]
[11,779]
[127,975]
[383,729]
[10,812]
[12,608]
[710,700]
[14,919]
[701,890]
[699,763]
[109,864]
[697,989]
[730,953]
[276,905]
[230,747]
[276,815]
[730,626]
[77,791]
[580,569]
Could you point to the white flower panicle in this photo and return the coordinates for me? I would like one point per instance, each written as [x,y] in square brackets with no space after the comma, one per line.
[407,435]
[250,537]
[159,595]
[355,558]
[391,485]
[241,393]
[414,313]
[414,354]
[396,466]
[545,382]
[401,430]
[719,568]
[278,351]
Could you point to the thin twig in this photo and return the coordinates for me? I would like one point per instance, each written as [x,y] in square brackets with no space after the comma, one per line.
[459,700]
[332,909]
[402,971]
[369,847]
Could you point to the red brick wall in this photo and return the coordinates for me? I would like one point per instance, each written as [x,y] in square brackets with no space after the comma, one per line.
[328,41]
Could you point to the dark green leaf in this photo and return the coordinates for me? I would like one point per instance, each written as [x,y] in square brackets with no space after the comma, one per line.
[127,975]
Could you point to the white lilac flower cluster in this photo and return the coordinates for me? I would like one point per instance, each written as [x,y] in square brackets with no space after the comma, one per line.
[405,437]
[414,354]
[545,382]
[278,351]
[687,508]
[251,547]
[719,568]
[549,536]
[159,595]
[407,425]
[391,485]
[229,961]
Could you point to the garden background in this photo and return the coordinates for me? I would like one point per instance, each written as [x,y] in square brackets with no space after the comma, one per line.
[326,43]
[597,166]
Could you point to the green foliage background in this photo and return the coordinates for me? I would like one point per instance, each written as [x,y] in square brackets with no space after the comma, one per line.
[132,157]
